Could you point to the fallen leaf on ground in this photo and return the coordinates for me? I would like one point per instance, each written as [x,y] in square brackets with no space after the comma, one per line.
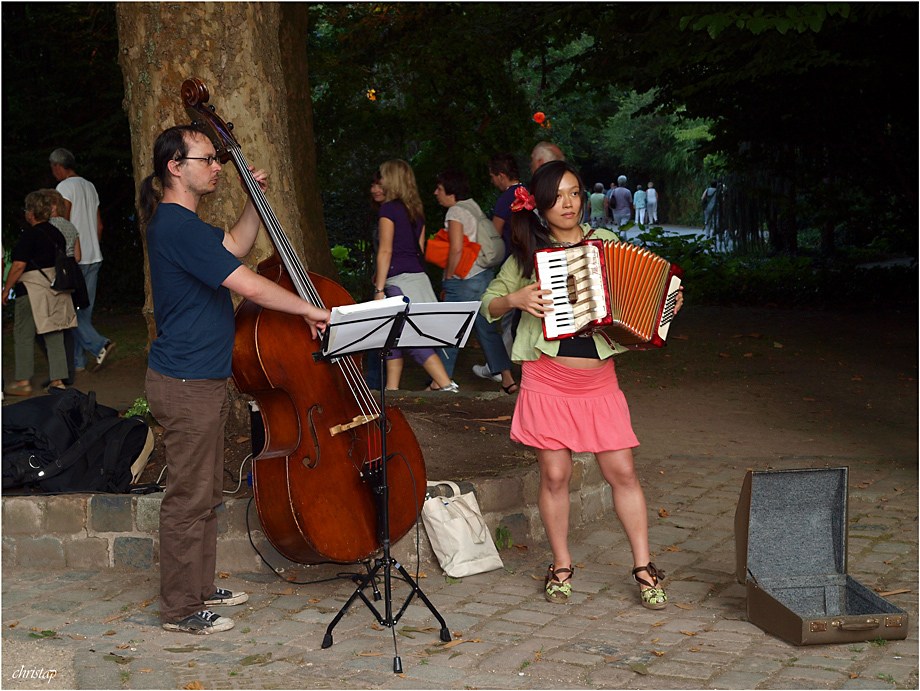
[223,575]
[611,658]
[242,440]
[369,654]
[500,418]
[895,592]
[109,633]
[689,633]
[146,669]
[658,654]
[663,513]
[724,355]
[855,675]
[672,548]
[194,685]
[77,636]
[638,668]
[683,606]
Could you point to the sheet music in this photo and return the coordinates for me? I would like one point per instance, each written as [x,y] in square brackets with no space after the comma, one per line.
[364,323]
[430,324]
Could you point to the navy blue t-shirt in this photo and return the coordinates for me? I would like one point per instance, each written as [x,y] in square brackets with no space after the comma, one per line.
[193,312]
[503,211]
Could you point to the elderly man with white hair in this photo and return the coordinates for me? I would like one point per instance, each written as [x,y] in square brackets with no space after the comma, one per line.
[622,203]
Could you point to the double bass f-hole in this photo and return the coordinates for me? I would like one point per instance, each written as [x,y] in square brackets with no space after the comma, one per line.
[306,460]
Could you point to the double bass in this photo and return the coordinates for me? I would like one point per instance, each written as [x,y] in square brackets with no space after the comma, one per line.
[313,480]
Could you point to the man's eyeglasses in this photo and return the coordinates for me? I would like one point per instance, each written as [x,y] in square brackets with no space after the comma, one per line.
[207,159]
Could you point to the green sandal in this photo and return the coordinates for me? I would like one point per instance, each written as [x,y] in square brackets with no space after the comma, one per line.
[556,589]
[653,596]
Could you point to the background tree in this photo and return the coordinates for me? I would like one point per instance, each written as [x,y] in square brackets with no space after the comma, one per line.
[235,49]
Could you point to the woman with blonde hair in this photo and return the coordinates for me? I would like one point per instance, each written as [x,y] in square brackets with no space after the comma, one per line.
[400,271]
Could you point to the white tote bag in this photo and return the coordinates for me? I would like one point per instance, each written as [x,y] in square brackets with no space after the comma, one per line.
[458,533]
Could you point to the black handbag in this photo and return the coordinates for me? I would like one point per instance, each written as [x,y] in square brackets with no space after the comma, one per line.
[65,269]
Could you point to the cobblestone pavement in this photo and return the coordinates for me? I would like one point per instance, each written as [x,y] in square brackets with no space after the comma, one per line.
[100,630]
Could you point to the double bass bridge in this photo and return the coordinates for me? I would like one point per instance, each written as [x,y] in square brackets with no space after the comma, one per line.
[356,422]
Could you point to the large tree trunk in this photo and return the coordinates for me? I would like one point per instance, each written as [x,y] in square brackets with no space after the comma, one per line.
[234,48]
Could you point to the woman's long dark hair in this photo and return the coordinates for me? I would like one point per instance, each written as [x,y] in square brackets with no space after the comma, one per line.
[529,231]
[172,144]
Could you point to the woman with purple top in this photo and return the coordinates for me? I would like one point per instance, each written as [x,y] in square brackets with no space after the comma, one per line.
[400,271]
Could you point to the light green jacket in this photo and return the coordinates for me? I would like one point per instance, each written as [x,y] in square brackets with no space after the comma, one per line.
[529,342]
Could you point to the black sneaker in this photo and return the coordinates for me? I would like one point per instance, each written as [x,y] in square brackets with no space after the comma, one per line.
[201,623]
[226,598]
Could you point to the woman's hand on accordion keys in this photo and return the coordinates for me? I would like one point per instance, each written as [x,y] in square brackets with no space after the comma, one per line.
[679,300]
[532,300]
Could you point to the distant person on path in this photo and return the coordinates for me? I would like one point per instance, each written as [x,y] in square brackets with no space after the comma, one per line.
[651,203]
[639,201]
[39,310]
[400,271]
[461,220]
[82,209]
[622,203]
[708,200]
[544,152]
[503,172]
[71,235]
[570,400]
[598,206]
[193,268]
[609,202]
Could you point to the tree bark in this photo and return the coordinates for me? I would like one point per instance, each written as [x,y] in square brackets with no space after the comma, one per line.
[234,49]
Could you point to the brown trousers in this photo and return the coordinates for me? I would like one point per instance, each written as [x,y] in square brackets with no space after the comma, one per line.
[193,413]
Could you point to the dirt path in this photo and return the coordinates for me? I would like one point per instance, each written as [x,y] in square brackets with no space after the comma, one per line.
[733,382]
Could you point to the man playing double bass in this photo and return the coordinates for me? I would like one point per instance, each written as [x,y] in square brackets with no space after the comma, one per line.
[193,268]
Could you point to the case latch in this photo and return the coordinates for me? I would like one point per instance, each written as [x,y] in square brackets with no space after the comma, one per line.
[893,622]
[818,626]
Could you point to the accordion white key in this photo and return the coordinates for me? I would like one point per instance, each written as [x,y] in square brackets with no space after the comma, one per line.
[623,289]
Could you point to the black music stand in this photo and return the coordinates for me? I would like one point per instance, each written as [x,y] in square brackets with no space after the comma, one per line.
[382,325]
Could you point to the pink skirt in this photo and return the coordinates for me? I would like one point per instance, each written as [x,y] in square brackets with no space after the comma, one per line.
[559,407]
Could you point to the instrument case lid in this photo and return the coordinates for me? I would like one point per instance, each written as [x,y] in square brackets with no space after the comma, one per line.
[792,523]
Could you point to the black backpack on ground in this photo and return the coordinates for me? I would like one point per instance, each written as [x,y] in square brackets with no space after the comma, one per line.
[66,442]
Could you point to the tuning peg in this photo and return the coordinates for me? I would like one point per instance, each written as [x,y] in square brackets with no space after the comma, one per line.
[229,125]
[212,109]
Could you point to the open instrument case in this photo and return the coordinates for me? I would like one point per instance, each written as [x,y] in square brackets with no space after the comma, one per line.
[791,553]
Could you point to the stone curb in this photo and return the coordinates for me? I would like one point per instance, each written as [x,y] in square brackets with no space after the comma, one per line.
[103,531]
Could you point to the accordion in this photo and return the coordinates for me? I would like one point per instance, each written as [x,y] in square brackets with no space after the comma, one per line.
[626,291]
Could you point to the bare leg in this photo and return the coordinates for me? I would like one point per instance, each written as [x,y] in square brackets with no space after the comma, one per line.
[435,368]
[628,500]
[507,379]
[394,373]
[555,473]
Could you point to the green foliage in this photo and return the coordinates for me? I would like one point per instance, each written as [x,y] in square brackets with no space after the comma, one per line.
[503,537]
[354,273]
[760,278]
[139,409]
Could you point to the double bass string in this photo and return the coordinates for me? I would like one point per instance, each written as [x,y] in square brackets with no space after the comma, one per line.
[305,288]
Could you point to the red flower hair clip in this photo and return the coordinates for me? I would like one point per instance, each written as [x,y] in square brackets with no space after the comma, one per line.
[523,200]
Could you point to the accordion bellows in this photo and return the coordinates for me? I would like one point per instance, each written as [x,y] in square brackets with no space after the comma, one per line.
[627,291]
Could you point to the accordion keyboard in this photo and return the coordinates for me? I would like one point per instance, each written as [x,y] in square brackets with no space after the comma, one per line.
[574,277]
